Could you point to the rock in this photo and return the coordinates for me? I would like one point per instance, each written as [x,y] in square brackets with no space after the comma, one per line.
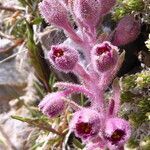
[31,97]
[11,81]
[12,84]
[17,131]
[4,45]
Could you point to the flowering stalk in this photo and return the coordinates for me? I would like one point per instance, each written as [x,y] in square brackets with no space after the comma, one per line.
[99,124]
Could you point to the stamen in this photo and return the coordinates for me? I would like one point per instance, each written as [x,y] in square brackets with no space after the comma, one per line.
[84,128]
[103,49]
[116,136]
[58,52]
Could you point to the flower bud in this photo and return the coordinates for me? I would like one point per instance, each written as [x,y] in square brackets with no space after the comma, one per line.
[106,6]
[53,104]
[54,12]
[117,132]
[63,58]
[87,12]
[127,31]
[104,56]
[85,123]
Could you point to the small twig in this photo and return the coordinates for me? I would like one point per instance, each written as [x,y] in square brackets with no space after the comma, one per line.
[50,129]
[40,125]
[12,9]
[12,56]
[17,43]
[10,37]
[23,58]
[7,139]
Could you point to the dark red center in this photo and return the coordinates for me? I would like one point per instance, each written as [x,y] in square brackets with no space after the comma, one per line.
[58,52]
[103,49]
[84,128]
[116,136]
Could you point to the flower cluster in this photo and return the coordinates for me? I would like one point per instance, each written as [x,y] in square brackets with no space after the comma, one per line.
[98,124]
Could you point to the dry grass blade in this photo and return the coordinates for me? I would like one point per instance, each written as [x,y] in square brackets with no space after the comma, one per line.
[37,59]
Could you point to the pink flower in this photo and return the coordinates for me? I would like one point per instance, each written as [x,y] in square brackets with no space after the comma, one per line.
[65,1]
[52,105]
[87,12]
[63,57]
[127,31]
[54,13]
[104,56]
[117,132]
[85,123]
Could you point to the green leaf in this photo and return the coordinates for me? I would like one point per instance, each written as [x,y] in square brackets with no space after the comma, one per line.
[37,20]
[34,147]
[77,143]
[39,89]
[52,80]
[1,142]
[37,58]
[40,123]
[127,96]
[133,144]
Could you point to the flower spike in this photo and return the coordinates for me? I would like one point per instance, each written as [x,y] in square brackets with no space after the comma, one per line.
[95,60]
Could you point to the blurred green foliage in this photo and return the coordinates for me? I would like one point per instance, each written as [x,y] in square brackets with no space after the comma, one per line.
[37,58]
[136,96]
[125,7]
